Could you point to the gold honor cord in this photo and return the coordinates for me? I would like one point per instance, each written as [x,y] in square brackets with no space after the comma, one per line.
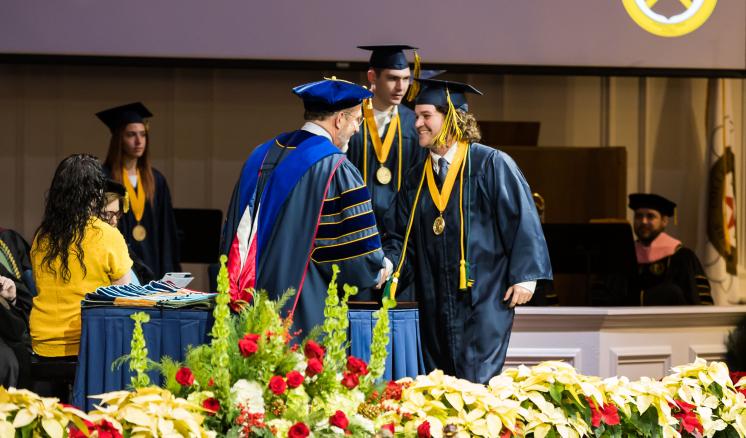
[459,161]
[381,148]
[137,204]
[441,197]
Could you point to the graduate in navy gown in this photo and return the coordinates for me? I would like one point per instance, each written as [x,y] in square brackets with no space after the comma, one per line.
[467,222]
[300,206]
[387,146]
[149,227]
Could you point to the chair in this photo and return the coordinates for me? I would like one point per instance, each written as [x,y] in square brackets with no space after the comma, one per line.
[53,377]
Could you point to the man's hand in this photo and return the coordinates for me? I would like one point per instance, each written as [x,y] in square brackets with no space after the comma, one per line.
[385,273]
[517,295]
[7,289]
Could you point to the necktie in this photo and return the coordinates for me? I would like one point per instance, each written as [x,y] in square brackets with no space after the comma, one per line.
[442,170]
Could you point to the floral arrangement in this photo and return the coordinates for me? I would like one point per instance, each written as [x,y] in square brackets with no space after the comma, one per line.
[552,400]
[25,414]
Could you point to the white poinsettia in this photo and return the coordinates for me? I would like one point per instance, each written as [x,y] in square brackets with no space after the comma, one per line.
[32,415]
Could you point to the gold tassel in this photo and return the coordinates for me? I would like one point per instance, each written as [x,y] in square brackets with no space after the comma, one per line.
[450,128]
[125,203]
[462,275]
[414,86]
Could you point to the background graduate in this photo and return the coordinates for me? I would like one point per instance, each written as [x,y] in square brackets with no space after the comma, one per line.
[387,146]
[467,222]
[149,227]
[301,206]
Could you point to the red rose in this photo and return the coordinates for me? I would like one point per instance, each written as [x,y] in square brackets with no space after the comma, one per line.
[247,347]
[277,385]
[314,367]
[299,430]
[184,376]
[423,430]
[294,379]
[389,427]
[356,366]
[253,337]
[212,405]
[313,350]
[340,420]
[350,380]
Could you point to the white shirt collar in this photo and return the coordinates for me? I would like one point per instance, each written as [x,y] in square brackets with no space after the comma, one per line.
[314,128]
[450,153]
[383,118]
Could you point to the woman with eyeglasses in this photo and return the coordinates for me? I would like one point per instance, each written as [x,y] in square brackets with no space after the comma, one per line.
[117,204]
[73,253]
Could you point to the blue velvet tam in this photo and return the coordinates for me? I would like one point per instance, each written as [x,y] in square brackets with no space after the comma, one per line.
[436,92]
[331,95]
[388,56]
[120,116]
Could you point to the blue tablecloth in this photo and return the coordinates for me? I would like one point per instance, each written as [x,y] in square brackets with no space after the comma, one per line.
[405,352]
[106,333]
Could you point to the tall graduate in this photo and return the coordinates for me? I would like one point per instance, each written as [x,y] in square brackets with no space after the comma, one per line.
[466,220]
[300,206]
[149,227]
[387,147]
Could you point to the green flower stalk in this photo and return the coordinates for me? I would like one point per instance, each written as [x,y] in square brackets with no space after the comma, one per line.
[378,346]
[335,325]
[220,333]
[139,352]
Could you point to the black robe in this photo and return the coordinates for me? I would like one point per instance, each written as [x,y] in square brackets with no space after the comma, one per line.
[466,333]
[674,280]
[160,249]
[14,321]
[382,195]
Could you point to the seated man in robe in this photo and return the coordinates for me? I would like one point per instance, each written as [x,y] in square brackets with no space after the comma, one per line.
[670,273]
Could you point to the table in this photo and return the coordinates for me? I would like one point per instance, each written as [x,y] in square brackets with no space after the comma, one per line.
[106,333]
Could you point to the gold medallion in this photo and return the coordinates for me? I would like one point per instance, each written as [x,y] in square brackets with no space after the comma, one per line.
[383,175]
[139,233]
[439,225]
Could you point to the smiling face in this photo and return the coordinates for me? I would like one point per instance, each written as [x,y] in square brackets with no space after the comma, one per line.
[429,122]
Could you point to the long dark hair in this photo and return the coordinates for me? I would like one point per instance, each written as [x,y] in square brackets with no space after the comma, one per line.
[114,161]
[76,194]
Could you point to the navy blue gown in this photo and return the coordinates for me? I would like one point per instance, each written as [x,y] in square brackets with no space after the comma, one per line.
[466,333]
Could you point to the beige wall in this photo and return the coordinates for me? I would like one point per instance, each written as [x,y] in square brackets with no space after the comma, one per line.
[208,120]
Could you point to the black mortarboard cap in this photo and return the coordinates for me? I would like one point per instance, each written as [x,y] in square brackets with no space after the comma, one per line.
[120,116]
[115,187]
[433,92]
[652,201]
[388,56]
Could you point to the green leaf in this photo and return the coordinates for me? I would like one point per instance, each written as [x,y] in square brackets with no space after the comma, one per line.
[556,392]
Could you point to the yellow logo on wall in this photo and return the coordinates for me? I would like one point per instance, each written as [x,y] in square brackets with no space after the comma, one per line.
[695,14]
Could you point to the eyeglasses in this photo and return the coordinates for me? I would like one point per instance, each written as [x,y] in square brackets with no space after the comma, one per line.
[358,120]
[110,216]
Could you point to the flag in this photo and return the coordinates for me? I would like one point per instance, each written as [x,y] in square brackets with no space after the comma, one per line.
[720,253]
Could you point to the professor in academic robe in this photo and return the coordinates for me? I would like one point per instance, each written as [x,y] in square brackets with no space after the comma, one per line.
[300,206]
[467,223]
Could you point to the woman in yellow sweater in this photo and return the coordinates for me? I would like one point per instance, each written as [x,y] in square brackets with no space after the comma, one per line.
[73,253]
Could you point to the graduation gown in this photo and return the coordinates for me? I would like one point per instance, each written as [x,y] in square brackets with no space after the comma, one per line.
[382,195]
[160,249]
[314,211]
[466,333]
[14,321]
[678,279]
